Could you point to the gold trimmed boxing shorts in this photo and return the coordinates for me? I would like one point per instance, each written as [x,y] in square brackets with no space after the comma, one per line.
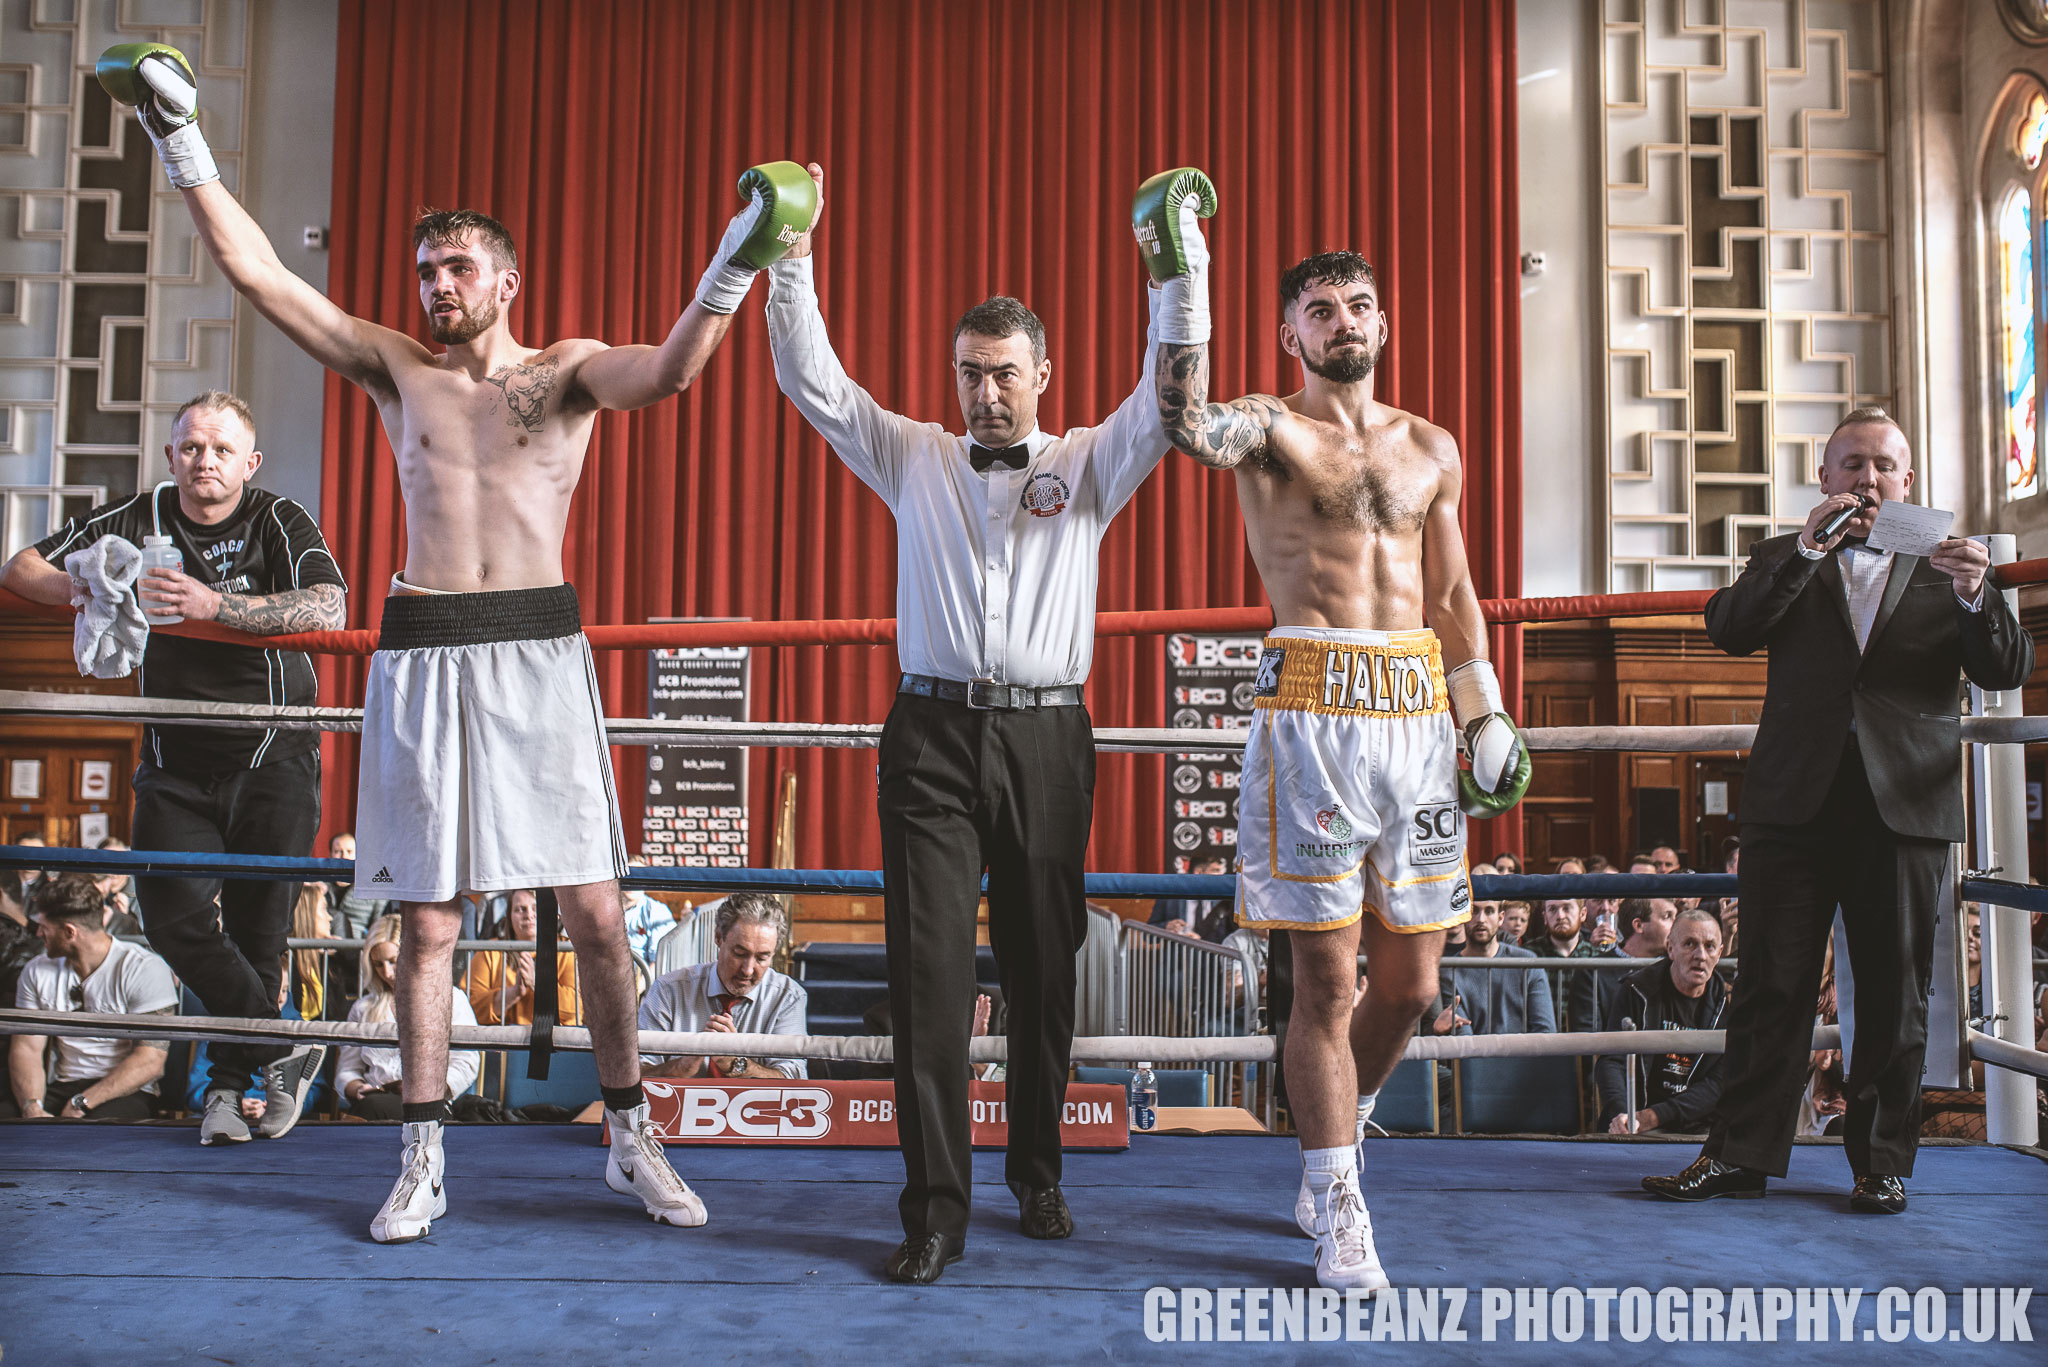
[1348,800]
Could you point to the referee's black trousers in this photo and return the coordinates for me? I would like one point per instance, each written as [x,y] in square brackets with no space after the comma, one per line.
[1791,880]
[959,791]
[230,952]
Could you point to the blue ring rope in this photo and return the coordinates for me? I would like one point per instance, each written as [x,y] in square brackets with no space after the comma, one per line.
[1519,887]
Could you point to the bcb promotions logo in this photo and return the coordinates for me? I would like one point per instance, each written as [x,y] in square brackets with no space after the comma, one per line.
[1046,495]
[759,1113]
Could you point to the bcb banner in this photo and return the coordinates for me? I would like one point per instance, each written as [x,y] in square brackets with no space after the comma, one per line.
[1209,682]
[797,1111]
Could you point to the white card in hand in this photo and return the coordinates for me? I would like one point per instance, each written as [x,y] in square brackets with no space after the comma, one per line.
[1909,528]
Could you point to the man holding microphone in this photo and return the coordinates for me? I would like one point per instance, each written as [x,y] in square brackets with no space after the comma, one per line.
[1853,799]
[988,756]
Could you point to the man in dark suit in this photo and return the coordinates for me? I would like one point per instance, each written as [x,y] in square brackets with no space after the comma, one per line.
[1852,799]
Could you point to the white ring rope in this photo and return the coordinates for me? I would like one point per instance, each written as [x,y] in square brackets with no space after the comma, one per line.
[867,1048]
[2003,1053]
[836,735]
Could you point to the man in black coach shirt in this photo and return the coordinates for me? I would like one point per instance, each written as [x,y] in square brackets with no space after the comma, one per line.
[258,563]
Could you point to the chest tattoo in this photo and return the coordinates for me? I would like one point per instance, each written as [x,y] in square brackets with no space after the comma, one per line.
[526,389]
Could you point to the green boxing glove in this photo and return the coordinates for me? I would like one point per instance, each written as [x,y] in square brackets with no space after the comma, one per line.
[1165,216]
[156,79]
[1500,770]
[782,204]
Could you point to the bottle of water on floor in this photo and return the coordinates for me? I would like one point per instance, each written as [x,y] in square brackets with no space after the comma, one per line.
[159,554]
[1144,1098]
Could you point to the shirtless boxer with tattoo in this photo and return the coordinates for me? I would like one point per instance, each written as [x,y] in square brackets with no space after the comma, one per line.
[1351,799]
[484,762]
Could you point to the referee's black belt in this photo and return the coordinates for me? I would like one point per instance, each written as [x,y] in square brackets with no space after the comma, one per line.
[984,695]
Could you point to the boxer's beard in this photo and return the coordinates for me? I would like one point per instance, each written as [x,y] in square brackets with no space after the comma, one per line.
[1348,368]
[464,326]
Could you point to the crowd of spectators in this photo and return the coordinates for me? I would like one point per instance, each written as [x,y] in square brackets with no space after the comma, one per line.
[70,942]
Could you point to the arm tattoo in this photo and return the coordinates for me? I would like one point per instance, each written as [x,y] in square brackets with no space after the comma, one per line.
[526,389]
[277,614]
[1219,435]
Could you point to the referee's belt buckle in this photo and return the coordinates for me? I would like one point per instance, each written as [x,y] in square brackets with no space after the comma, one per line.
[986,695]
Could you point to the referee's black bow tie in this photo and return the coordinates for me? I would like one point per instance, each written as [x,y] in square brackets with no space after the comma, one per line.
[1016,457]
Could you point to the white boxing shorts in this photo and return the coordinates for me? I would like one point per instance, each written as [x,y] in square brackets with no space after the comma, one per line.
[1348,801]
[484,761]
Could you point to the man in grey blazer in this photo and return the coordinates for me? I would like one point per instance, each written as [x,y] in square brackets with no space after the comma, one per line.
[1853,798]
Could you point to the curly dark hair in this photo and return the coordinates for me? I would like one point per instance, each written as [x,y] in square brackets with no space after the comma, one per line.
[1325,268]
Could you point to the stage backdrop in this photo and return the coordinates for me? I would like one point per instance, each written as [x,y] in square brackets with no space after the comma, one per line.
[968,150]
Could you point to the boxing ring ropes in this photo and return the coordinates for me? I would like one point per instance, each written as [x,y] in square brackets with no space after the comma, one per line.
[1996,729]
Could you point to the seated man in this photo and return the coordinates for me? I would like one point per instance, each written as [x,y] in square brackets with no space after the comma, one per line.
[82,968]
[1492,1001]
[1645,926]
[1679,992]
[736,993]
[369,1076]
[1210,919]
[501,982]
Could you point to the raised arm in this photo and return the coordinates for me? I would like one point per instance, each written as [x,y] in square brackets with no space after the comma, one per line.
[872,442]
[782,201]
[160,84]
[1219,435]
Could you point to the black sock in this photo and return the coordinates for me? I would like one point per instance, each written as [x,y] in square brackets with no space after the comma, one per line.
[424,1112]
[622,1098]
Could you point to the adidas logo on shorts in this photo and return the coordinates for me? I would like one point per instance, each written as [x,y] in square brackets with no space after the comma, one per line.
[382,875]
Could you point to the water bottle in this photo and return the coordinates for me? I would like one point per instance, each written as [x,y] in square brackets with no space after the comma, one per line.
[159,554]
[1144,1098]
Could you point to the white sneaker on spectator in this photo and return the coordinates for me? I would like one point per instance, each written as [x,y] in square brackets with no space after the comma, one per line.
[417,1200]
[638,1166]
[1345,1257]
[1304,1201]
[221,1122]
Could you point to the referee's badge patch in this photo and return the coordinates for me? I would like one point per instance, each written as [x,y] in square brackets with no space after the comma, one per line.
[1046,495]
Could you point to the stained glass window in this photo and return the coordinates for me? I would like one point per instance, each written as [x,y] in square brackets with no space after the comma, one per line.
[2016,302]
[2033,130]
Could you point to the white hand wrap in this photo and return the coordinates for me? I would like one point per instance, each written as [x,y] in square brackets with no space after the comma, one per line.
[1475,699]
[1184,300]
[187,160]
[724,285]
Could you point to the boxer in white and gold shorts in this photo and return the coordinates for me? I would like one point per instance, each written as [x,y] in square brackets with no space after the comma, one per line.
[1349,797]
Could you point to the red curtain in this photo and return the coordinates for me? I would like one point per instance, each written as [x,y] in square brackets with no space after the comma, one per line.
[968,150]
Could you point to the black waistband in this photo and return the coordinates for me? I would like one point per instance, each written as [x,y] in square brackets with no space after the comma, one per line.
[416,620]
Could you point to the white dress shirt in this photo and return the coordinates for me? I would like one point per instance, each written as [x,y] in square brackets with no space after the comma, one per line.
[685,999]
[995,573]
[1865,573]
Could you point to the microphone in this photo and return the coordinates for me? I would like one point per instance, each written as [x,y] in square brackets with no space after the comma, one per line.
[1834,525]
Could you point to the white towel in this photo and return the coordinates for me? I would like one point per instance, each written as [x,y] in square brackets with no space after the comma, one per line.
[111,633]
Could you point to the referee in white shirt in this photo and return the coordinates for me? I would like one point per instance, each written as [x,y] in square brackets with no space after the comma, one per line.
[988,757]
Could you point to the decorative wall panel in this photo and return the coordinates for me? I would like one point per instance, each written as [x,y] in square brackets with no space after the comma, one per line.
[1747,277]
[110,313]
